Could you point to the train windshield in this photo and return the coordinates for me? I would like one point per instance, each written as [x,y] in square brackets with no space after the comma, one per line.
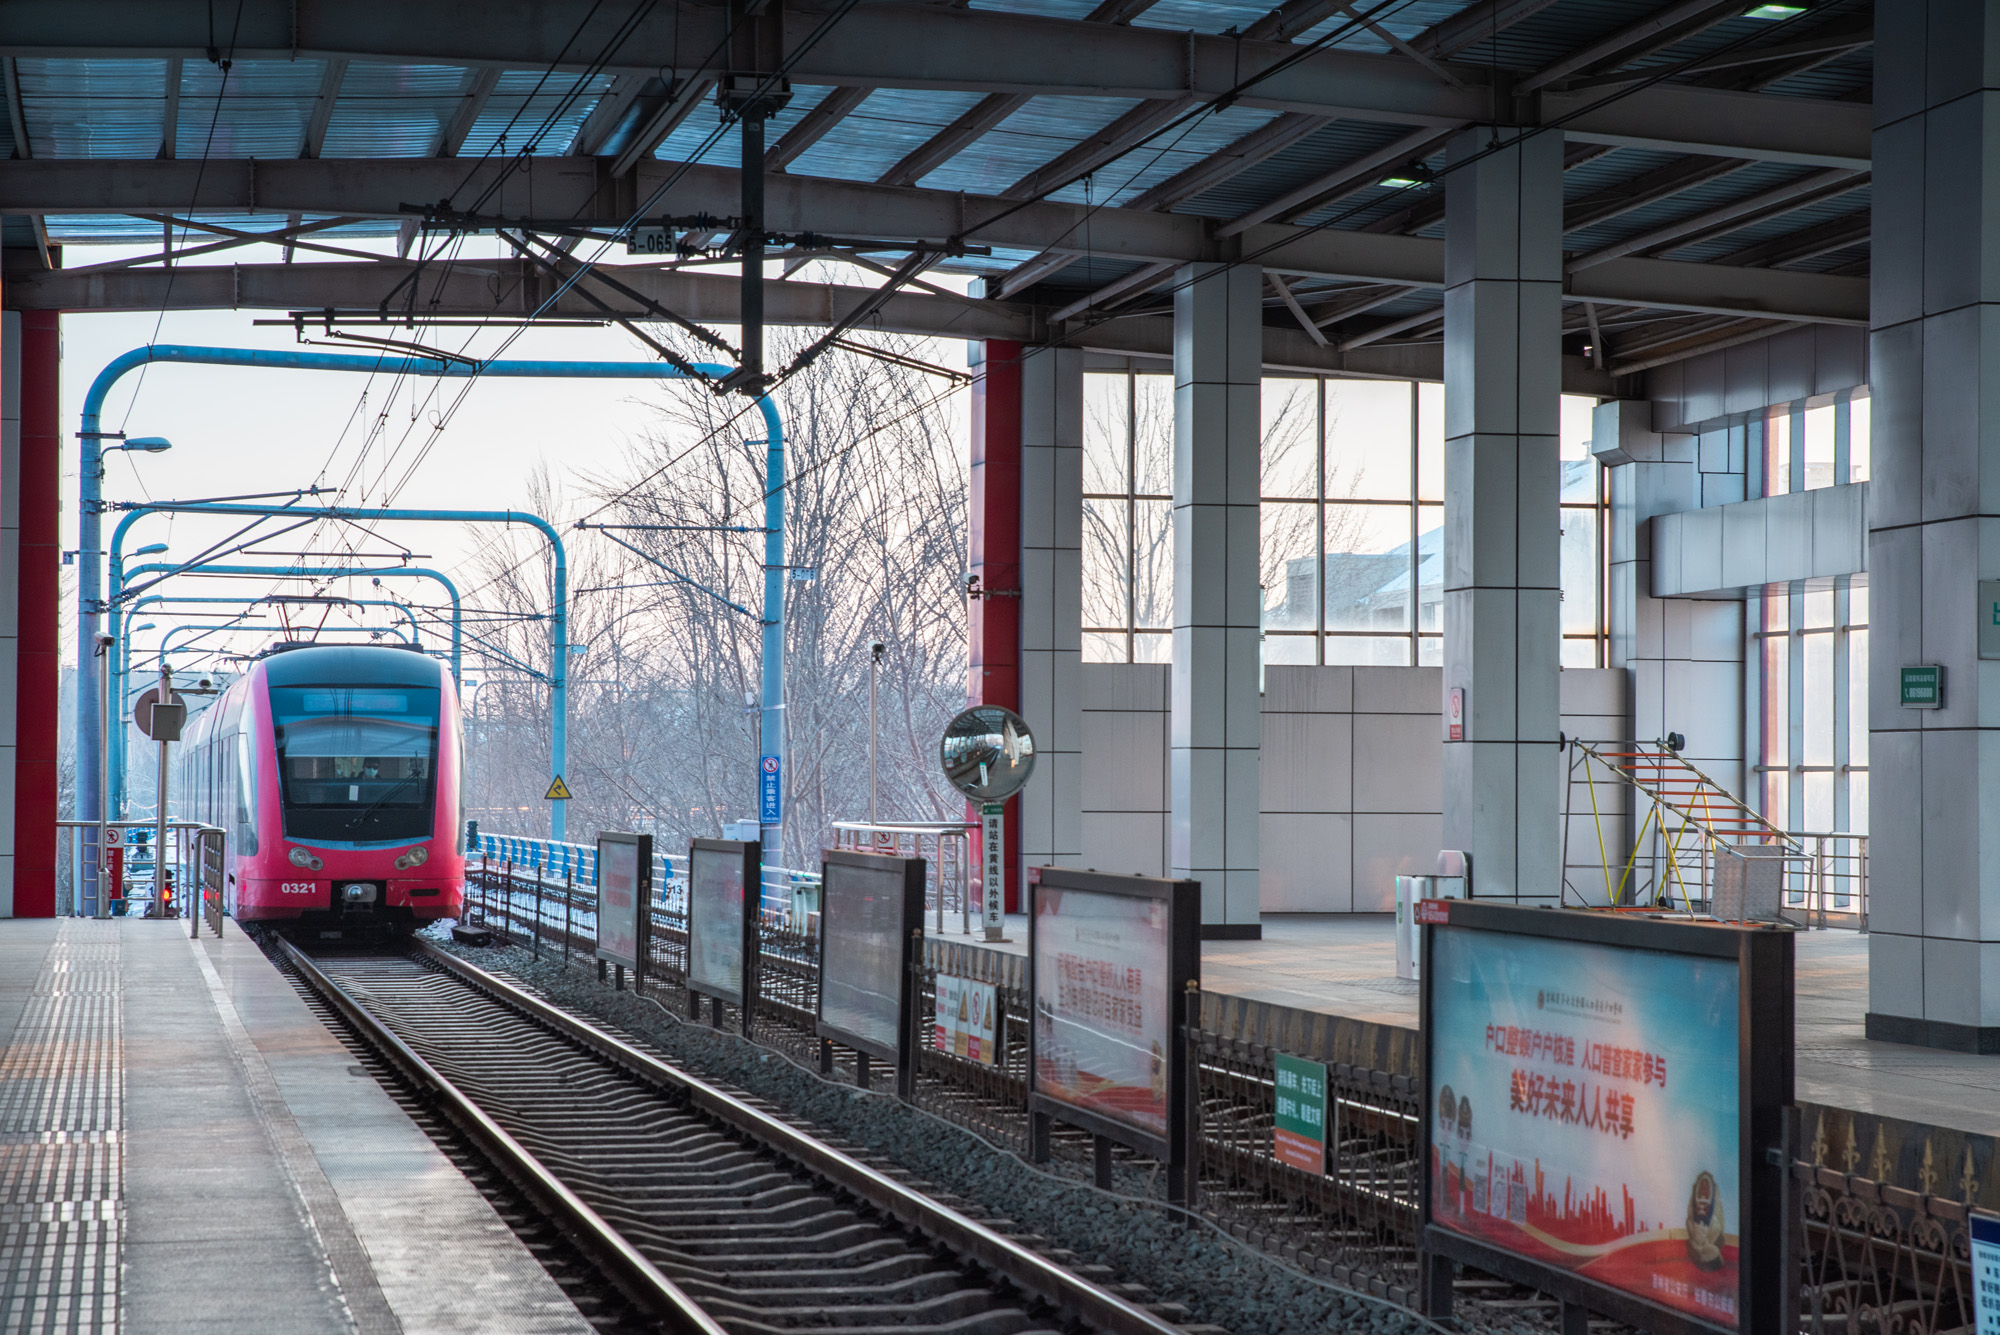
[357,762]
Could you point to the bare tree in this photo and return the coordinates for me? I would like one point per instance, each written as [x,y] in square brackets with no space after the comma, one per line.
[664,725]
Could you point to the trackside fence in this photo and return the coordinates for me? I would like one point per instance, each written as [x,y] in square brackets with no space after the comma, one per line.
[1871,1255]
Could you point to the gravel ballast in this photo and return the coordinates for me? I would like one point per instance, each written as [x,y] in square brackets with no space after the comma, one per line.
[1218,1280]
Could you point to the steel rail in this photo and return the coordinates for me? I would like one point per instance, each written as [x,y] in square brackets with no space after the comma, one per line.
[967,1237]
[624,1264]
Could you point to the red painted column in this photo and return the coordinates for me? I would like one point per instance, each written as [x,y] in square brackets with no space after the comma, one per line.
[38,684]
[994,676]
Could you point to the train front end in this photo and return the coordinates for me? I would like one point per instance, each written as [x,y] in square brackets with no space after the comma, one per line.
[363,822]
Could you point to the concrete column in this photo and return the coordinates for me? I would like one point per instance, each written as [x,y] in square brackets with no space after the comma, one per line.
[1216,727]
[1051,805]
[1934,351]
[1503,385]
[994,648]
[39,617]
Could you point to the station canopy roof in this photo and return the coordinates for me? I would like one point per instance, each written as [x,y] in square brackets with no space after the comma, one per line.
[1072,153]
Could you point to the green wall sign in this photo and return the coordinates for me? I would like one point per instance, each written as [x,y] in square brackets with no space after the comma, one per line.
[1300,1132]
[1923,687]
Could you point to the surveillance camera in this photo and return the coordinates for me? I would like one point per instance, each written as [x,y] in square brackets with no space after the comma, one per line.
[878,648]
[106,641]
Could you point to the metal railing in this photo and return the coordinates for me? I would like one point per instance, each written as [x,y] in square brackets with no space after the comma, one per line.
[214,897]
[1828,884]
[945,846]
[79,893]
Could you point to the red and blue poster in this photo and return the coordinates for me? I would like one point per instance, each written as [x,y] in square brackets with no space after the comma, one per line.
[1585,1107]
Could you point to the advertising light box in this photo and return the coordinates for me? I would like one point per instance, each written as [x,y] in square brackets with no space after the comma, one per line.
[624,865]
[722,906]
[1110,959]
[1597,1088]
[871,908]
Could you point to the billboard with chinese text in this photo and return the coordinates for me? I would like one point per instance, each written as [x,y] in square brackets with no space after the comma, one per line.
[1103,1018]
[1585,1108]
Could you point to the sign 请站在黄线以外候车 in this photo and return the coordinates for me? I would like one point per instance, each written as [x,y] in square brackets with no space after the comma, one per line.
[1299,1114]
[1584,1108]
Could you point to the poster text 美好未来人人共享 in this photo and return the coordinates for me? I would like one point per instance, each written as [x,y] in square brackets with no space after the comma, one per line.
[1585,1112]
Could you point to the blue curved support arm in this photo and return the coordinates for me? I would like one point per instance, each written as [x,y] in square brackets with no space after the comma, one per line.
[91,780]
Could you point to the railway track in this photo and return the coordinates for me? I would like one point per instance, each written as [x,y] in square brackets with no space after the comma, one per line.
[709,1214]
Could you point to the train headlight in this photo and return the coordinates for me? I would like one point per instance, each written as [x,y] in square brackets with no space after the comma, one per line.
[416,857]
[301,858]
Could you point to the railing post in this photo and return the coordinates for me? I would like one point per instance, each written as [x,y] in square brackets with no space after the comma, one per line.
[569,900]
[536,949]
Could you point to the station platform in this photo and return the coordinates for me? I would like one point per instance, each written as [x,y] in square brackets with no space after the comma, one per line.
[1345,964]
[184,1147]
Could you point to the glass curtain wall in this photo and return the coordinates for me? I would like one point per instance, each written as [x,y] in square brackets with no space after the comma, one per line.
[1352,516]
[1811,654]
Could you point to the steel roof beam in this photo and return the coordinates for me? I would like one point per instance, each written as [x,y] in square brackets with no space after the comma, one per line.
[509,288]
[907,45]
[573,188]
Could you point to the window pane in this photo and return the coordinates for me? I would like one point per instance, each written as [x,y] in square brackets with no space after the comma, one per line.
[1430,651]
[1367,440]
[1104,579]
[1857,698]
[1430,442]
[1288,566]
[1819,802]
[1857,803]
[1573,425]
[1818,610]
[1153,564]
[1579,653]
[1818,738]
[1579,481]
[1777,612]
[1776,805]
[1101,648]
[1778,453]
[1579,572]
[1777,701]
[1430,569]
[1857,605]
[1368,650]
[1290,437]
[1153,435]
[1818,447]
[1367,567]
[1859,416]
[1104,426]
[1154,648]
[1289,648]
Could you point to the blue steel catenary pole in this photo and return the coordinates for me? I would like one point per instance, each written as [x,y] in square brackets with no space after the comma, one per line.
[90,575]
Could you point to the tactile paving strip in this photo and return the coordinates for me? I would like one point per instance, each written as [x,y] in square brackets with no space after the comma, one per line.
[61,1118]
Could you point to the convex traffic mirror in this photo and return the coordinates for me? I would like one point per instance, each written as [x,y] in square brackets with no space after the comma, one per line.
[988,753]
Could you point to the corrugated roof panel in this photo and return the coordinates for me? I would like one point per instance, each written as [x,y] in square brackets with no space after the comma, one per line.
[93,108]
[264,107]
[110,228]
[1701,199]
[535,111]
[880,132]
[1040,132]
[1840,206]
[394,111]
[1202,15]
[1319,154]
[699,128]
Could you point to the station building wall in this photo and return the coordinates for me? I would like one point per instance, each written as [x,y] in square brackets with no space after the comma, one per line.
[1351,777]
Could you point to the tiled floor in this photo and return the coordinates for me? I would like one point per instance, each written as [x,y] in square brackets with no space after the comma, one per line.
[1346,965]
[268,1183]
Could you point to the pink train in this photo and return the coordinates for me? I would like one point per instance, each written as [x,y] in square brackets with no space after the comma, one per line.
[338,774]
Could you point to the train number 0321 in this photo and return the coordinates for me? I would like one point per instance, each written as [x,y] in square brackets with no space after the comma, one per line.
[295,887]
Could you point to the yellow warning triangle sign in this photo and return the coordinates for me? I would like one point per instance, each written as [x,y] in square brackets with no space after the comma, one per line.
[558,791]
